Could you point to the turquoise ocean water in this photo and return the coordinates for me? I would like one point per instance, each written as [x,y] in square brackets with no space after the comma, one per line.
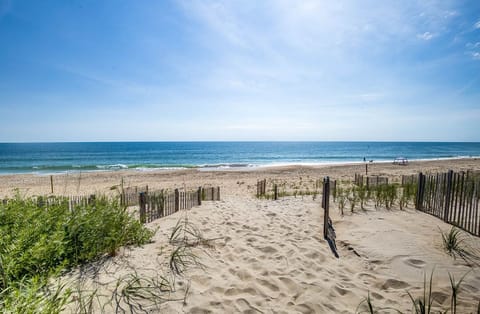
[44,158]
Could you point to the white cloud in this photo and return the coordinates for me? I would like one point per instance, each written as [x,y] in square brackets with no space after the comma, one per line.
[476,55]
[477,25]
[425,36]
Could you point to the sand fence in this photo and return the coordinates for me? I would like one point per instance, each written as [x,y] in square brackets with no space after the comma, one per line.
[453,197]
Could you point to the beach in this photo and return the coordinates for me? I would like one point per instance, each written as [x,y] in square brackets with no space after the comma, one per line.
[267,256]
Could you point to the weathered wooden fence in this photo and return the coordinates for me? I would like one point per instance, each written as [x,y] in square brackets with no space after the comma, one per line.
[72,201]
[360,180]
[281,189]
[261,187]
[160,204]
[211,193]
[129,195]
[453,197]
[409,179]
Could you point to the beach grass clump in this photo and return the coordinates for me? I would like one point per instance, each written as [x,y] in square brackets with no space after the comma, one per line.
[352,198]
[40,238]
[366,306]
[425,303]
[134,293]
[455,244]
[361,192]
[341,199]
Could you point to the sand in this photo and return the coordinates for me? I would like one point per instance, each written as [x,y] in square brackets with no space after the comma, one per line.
[269,256]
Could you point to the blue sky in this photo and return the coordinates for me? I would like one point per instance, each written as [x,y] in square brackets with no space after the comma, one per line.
[239,70]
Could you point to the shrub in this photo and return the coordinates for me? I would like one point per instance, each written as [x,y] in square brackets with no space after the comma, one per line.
[38,240]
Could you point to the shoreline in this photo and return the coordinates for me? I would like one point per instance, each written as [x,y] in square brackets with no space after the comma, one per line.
[103,182]
[234,167]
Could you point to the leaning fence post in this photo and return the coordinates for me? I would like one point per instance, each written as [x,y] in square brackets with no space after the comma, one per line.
[177,200]
[143,202]
[275,192]
[325,205]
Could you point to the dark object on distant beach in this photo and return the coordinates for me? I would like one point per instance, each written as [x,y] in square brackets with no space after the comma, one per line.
[400,161]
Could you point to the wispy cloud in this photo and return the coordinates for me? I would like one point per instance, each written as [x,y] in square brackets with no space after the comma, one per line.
[426,36]
[477,25]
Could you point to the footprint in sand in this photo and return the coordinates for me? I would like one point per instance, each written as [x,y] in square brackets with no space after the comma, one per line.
[417,263]
[289,283]
[303,308]
[268,285]
[440,297]
[199,310]
[395,284]
[231,292]
[242,274]
[367,278]
[244,306]
[340,290]
[377,296]
[267,249]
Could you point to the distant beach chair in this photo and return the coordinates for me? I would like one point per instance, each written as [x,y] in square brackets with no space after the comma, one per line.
[400,161]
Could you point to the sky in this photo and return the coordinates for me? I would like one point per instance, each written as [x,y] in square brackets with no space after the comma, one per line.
[118,70]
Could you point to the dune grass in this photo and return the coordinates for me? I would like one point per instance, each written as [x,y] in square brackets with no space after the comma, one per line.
[39,242]
[424,303]
[455,244]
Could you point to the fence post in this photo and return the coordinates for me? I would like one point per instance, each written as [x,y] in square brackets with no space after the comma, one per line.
[143,202]
[325,205]
[91,199]
[218,193]
[51,184]
[448,196]
[177,200]
[420,191]
[275,192]
[199,196]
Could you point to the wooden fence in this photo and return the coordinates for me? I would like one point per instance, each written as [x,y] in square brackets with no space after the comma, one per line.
[409,179]
[211,193]
[129,195]
[261,187]
[360,180]
[160,204]
[453,197]
[72,201]
[281,190]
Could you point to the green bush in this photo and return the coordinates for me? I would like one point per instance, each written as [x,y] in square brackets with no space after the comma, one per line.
[37,240]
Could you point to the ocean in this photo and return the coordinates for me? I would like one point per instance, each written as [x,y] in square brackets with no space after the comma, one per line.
[47,158]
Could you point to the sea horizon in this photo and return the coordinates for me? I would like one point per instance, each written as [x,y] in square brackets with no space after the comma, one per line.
[66,157]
